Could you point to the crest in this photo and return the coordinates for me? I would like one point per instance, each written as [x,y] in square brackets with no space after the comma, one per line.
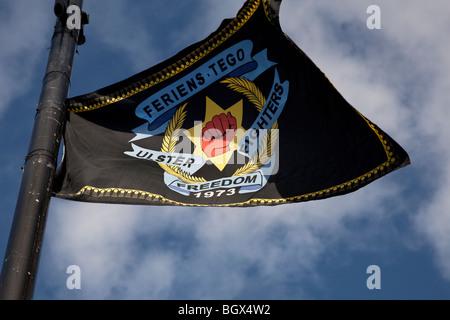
[219,129]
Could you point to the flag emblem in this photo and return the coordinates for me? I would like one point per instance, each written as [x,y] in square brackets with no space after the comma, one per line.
[218,135]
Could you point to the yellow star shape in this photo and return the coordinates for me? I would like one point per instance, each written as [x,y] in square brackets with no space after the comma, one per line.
[195,133]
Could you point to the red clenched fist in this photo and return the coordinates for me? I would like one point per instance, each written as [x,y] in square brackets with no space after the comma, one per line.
[217,134]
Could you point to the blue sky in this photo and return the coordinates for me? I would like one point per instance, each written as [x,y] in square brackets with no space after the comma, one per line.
[396,76]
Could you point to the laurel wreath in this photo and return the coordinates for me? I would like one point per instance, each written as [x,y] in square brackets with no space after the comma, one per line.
[169,142]
[247,88]
[255,96]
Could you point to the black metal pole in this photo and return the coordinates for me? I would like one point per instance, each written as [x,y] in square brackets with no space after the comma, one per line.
[21,260]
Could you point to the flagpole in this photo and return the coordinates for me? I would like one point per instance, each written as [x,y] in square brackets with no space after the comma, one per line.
[20,265]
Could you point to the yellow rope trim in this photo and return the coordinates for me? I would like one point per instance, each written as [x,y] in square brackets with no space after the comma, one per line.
[151,197]
[268,11]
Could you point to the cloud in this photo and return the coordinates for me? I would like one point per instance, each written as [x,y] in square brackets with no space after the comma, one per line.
[129,252]
[421,32]
[102,240]
[433,222]
[24,39]
[433,219]
[146,36]
[120,27]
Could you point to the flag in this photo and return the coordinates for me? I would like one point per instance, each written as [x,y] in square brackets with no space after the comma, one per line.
[242,118]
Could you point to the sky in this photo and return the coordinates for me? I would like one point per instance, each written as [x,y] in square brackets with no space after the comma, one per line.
[396,76]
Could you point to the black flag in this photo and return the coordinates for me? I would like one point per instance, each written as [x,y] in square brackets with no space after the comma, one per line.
[242,118]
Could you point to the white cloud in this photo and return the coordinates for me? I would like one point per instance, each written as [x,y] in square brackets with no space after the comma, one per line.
[24,38]
[422,30]
[433,222]
[101,239]
[129,252]
[122,29]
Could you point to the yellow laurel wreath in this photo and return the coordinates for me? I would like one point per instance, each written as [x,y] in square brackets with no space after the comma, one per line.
[254,95]
[247,88]
[263,155]
[170,140]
